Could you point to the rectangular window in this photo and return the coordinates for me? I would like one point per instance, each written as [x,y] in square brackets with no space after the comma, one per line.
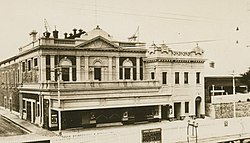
[35,62]
[177,78]
[152,75]
[127,73]
[97,74]
[185,77]
[23,66]
[29,65]
[48,76]
[198,77]
[47,59]
[164,77]
[186,107]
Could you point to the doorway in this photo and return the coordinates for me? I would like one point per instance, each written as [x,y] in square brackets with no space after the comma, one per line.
[177,110]
[198,107]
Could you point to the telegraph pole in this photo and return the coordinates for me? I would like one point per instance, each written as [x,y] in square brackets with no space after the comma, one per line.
[59,100]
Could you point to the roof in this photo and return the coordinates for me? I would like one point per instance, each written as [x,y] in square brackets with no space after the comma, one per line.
[95,33]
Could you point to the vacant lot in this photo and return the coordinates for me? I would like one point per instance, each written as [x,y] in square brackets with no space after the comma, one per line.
[9,129]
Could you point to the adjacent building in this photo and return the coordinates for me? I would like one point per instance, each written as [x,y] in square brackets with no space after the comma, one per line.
[89,79]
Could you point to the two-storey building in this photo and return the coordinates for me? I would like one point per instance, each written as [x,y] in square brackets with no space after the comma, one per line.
[90,79]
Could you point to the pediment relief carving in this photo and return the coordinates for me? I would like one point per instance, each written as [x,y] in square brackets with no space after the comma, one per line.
[98,43]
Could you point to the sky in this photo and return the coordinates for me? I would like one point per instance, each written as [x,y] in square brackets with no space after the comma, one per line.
[176,23]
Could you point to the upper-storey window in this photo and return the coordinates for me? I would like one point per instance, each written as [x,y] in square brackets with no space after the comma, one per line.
[152,75]
[35,62]
[29,65]
[48,76]
[177,78]
[127,69]
[164,77]
[23,67]
[198,74]
[97,70]
[185,77]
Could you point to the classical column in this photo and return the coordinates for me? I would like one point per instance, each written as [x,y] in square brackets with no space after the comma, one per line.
[78,68]
[86,68]
[43,69]
[137,68]
[52,68]
[110,69]
[117,68]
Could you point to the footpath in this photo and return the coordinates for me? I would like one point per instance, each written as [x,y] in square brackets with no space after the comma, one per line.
[208,131]
[34,133]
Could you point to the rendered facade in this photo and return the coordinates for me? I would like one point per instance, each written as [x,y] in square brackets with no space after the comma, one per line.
[88,79]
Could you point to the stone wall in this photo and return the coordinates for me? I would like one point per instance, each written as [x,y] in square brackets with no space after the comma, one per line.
[242,109]
[226,110]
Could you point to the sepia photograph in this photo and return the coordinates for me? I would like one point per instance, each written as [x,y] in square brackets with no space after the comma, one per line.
[131,71]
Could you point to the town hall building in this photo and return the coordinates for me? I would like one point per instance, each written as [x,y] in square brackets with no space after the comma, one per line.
[88,79]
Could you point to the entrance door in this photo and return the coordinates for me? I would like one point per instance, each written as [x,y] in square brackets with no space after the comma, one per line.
[177,110]
[165,112]
[197,107]
[28,111]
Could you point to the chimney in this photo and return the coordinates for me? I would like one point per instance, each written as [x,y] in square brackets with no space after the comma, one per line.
[55,33]
[74,31]
[33,35]
[46,34]
[65,35]
[70,35]
[80,31]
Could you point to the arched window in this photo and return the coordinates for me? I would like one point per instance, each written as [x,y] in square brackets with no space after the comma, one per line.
[66,66]
[97,70]
[127,69]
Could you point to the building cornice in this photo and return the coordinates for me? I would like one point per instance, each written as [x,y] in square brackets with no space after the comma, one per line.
[174,60]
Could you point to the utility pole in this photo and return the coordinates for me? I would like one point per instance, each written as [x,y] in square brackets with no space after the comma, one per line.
[59,100]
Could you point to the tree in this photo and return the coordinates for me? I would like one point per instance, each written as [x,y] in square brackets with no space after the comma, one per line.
[246,78]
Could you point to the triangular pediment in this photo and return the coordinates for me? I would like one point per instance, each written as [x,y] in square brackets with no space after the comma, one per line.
[98,42]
